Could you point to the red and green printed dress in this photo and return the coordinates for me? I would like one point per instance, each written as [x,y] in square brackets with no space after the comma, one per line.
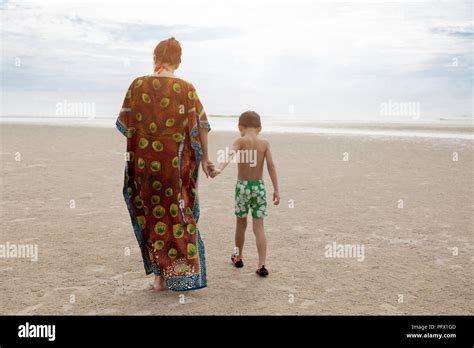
[161,117]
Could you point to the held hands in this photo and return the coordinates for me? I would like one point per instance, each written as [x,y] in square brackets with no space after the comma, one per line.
[207,167]
[215,172]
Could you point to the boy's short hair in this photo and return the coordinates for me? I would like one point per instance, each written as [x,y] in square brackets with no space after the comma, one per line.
[250,119]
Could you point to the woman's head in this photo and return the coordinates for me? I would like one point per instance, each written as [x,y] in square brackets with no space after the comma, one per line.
[168,54]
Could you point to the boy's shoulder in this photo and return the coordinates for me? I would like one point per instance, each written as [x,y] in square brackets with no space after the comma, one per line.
[259,140]
[264,141]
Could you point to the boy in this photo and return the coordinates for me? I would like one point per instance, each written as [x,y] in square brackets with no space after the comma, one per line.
[251,152]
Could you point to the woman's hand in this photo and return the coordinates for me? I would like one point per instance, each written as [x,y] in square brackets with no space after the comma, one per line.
[207,166]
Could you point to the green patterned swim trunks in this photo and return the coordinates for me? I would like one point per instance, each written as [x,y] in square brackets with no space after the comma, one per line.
[250,195]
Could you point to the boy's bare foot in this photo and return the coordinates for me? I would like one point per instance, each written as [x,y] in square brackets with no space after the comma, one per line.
[159,284]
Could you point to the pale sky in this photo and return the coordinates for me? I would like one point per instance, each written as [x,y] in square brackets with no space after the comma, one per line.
[305,59]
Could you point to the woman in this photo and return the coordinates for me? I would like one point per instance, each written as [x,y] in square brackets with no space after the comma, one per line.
[166,129]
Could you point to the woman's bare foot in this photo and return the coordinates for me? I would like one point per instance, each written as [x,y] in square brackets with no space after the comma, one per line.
[159,284]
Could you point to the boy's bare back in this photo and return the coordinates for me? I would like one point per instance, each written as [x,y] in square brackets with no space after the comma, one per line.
[252,152]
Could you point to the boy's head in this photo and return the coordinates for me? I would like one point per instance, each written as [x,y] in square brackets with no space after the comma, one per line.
[249,120]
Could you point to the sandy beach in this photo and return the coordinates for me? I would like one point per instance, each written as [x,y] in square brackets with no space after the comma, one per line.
[65,196]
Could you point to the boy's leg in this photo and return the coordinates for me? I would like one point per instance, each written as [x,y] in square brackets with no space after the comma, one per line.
[240,227]
[261,241]
[241,210]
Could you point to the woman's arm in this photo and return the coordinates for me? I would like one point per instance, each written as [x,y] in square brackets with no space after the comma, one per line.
[207,165]
[199,119]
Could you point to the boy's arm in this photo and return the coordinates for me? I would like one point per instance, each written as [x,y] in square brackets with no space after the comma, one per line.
[273,174]
[221,166]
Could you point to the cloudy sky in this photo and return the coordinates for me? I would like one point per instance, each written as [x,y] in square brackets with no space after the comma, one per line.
[304,59]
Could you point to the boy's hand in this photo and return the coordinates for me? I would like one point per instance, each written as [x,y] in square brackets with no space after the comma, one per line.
[215,173]
[276,198]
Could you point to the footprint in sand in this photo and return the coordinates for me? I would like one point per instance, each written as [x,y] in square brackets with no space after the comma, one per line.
[30,309]
[67,307]
[79,288]
[22,220]
[125,283]
[390,309]
[403,241]
[330,289]
[298,228]
[307,303]
[98,269]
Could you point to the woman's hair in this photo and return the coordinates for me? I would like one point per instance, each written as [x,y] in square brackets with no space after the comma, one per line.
[167,52]
[250,119]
